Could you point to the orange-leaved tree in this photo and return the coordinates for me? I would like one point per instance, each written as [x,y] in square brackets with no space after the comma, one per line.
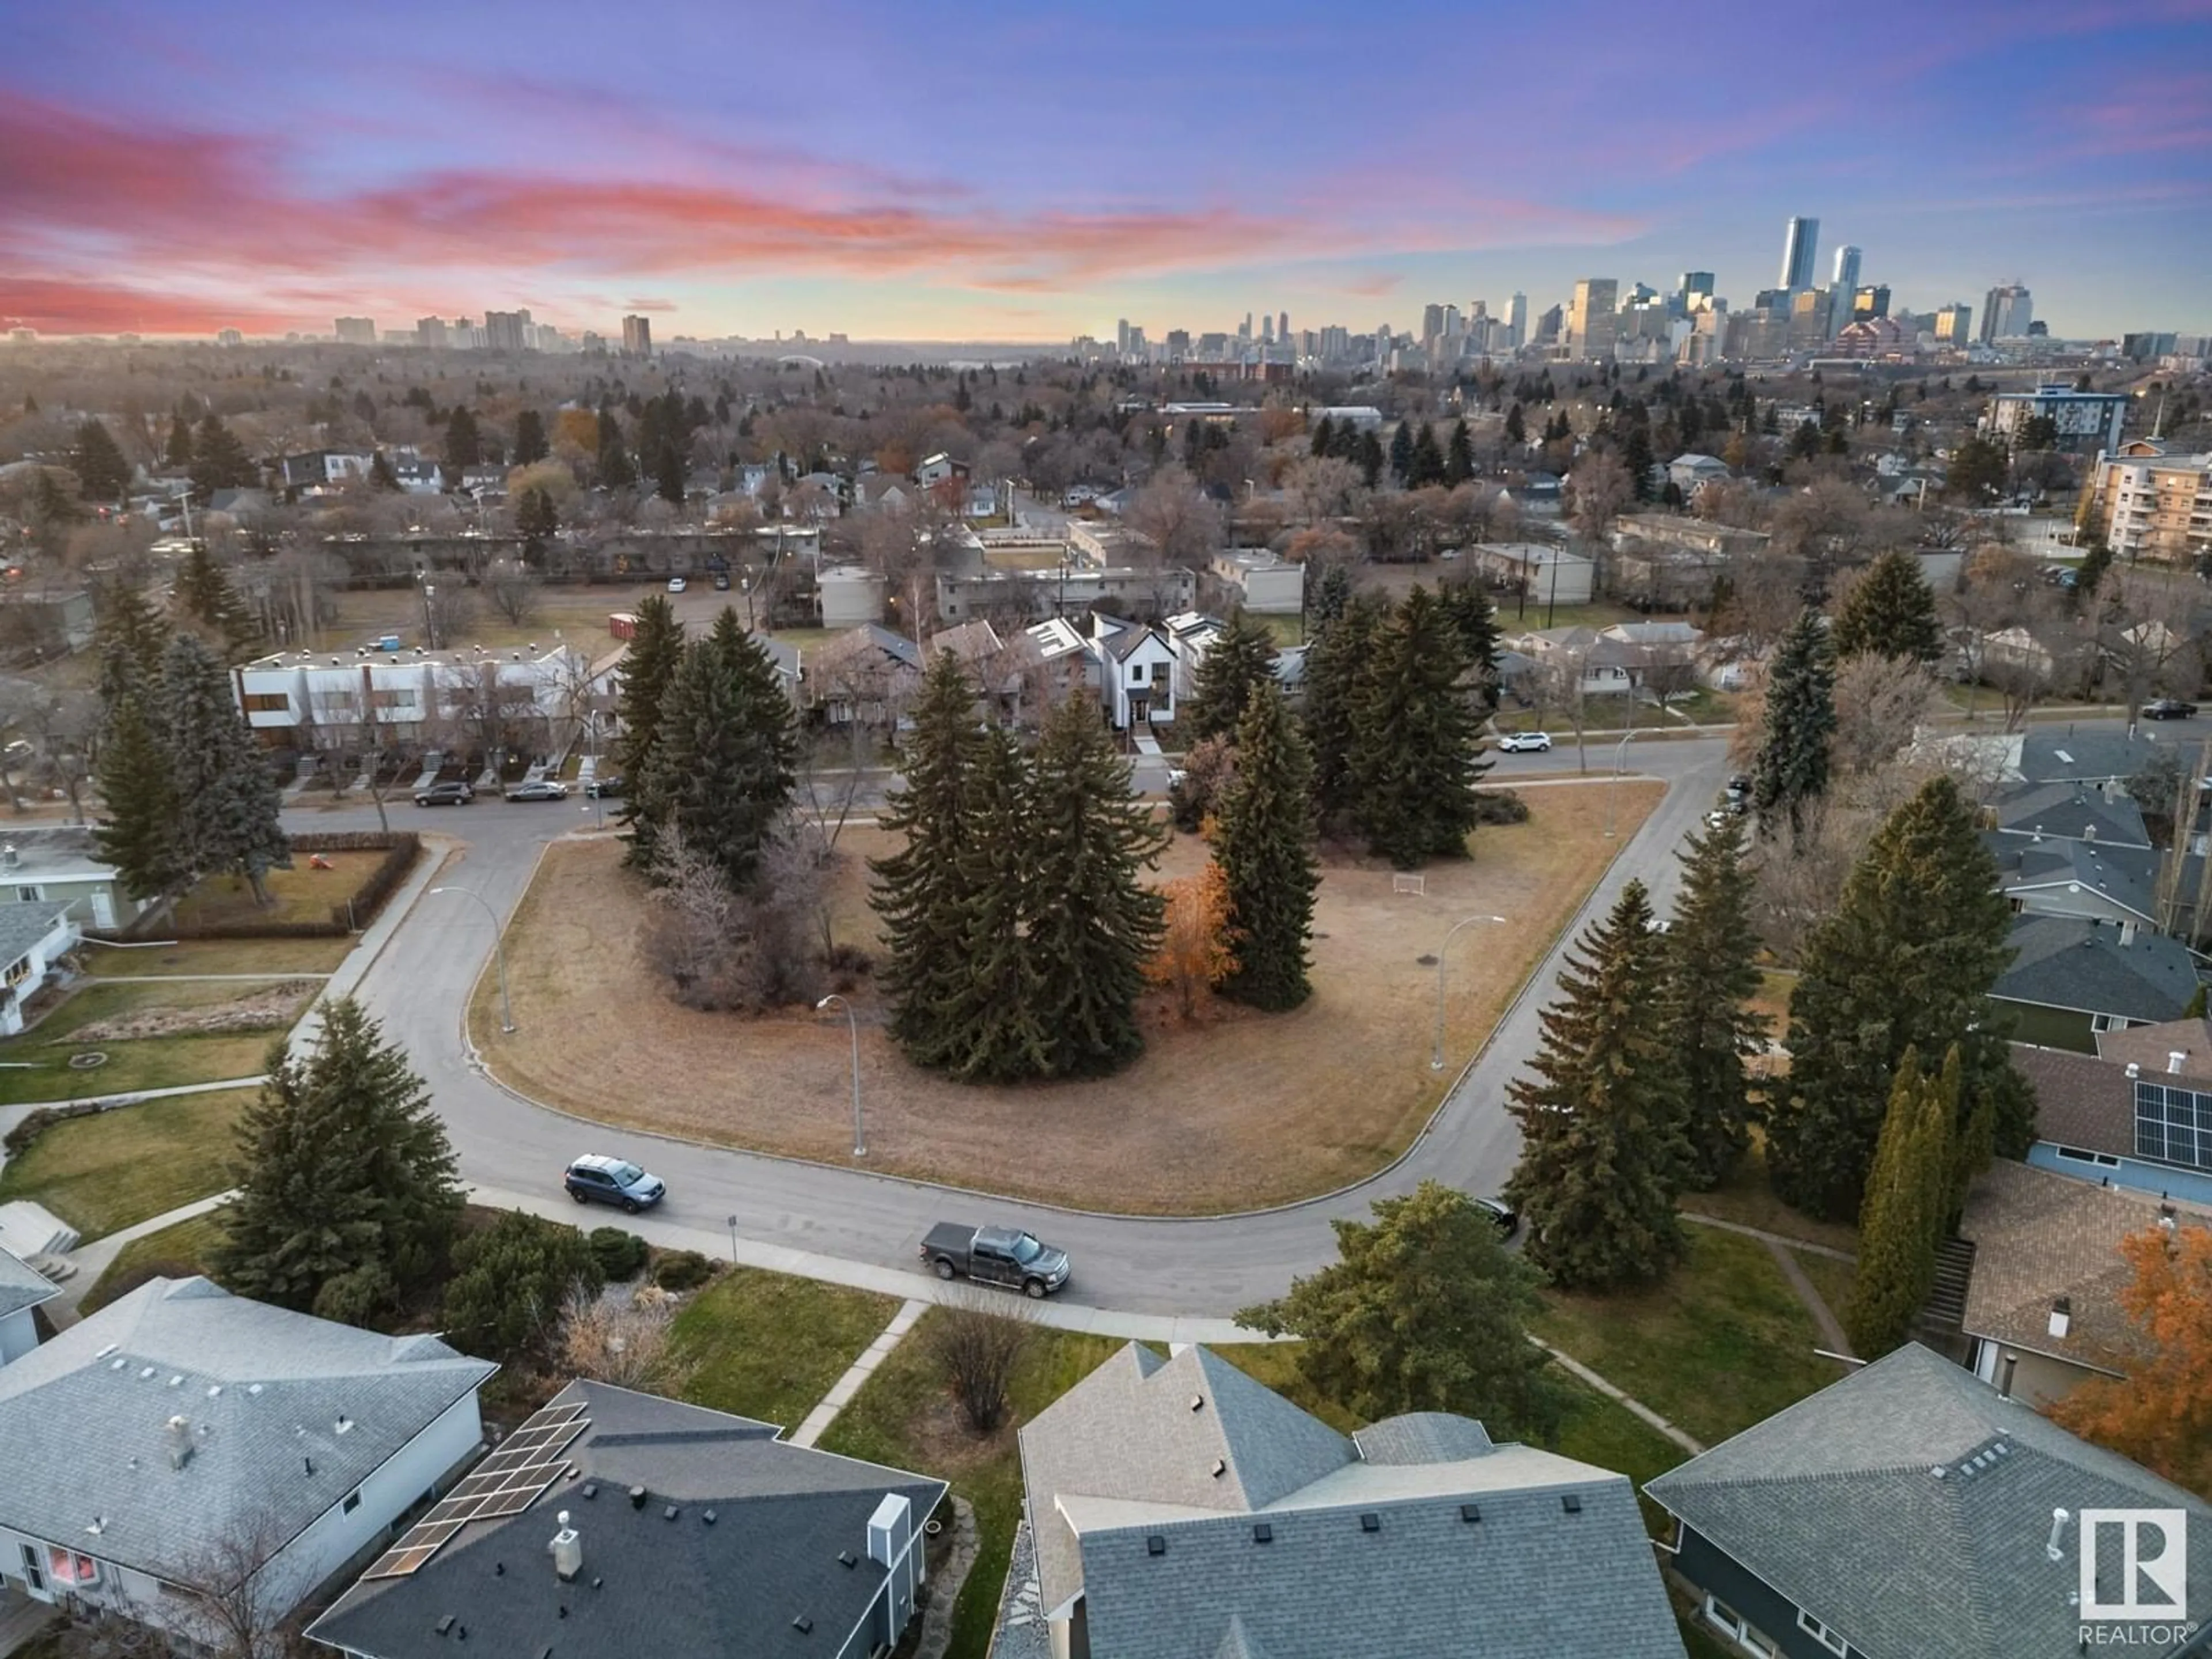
[1196,952]
[2161,1417]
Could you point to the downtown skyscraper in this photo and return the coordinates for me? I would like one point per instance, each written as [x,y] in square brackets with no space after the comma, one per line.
[1800,243]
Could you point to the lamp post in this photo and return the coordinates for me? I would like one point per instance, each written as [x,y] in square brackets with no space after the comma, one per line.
[852,1024]
[1436,1048]
[499,950]
[1619,760]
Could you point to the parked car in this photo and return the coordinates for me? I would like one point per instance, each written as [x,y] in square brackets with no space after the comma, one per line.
[452,793]
[1514,742]
[539,789]
[2168,709]
[1502,1214]
[721,581]
[606,788]
[677,584]
[996,1256]
[596,1180]
[1739,786]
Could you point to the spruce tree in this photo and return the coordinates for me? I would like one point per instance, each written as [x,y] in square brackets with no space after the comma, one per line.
[1324,437]
[219,460]
[1426,466]
[1401,451]
[463,443]
[380,475]
[921,892]
[668,474]
[1327,596]
[615,472]
[99,464]
[1711,975]
[139,833]
[226,798]
[993,1016]
[1890,613]
[176,454]
[649,668]
[1241,659]
[206,595]
[721,767]
[530,443]
[1096,923]
[1792,765]
[1337,664]
[1603,1149]
[128,636]
[1368,457]
[1476,618]
[1902,1223]
[536,519]
[1905,960]
[1417,746]
[1459,454]
[1516,428]
[346,1177]
[1265,845]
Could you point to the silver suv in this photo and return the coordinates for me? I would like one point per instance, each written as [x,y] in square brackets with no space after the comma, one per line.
[596,1180]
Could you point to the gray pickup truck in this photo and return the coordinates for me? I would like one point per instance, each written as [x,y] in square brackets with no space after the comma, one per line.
[996,1256]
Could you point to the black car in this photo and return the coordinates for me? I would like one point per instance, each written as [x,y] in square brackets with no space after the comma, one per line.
[450,793]
[606,788]
[596,1180]
[2168,709]
[1502,1214]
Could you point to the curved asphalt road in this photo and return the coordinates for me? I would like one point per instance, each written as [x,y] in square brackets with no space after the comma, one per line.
[419,987]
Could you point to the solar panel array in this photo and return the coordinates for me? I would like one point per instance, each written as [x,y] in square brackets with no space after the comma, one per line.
[506,1483]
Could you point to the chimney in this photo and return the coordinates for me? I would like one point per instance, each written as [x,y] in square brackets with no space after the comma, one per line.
[2174,1059]
[2127,933]
[8,856]
[2061,1315]
[2005,1370]
[2134,1071]
[180,1442]
[2089,832]
[568,1550]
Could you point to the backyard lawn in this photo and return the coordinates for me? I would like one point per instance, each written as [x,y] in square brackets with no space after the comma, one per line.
[769,1346]
[303,893]
[275,958]
[1234,1110]
[177,1252]
[1720,1344]
[105,1173]
[1748,1197]
[155,1035]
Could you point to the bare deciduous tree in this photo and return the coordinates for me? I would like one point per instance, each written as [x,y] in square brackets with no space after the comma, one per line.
[746,951]
[1179,521]
[513,588]
[1880,703]
[624,1343]
[976,1341]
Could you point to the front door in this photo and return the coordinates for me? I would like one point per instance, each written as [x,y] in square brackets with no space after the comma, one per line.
[1141,707]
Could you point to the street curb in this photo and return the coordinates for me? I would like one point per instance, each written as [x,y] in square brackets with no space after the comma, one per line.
[483,1068]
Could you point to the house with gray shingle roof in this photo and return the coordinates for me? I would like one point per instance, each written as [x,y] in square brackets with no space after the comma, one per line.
[2043,1308]
[2105,813]
[2071,978]
[1907,1512]
[23,1288]
[1177,1509]
[2063,876]
[2137,1115]
[183,1437]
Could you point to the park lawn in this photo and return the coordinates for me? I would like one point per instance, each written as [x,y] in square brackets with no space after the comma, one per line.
[1747,1198]
[1832,1277]
[903,1416]
[105,1173]
[302,893]
[1232,1110]
[1721,1343]
[177,1252]
[276,958]
[768,1345]
[273,1005]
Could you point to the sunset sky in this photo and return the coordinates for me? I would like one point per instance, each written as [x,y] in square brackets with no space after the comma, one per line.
[990,171]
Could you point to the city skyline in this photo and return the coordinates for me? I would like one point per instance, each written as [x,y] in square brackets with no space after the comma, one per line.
[1023,179]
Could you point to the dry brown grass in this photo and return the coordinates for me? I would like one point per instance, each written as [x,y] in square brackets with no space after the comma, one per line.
[1234,1110]
[303,893]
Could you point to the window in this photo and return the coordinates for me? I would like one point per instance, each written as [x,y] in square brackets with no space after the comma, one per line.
[2109,1022]
[18,971]
[2173,1125]
[67,1567]
[32,1574]
[390,699]
[268,702]
[352,1502]
[2077,1155]
[1820,1634]
[1722,1616]
[27,894]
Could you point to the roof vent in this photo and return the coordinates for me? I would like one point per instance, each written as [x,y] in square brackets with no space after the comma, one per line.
[1939,1471]
[708,1515]
[591,1489]
[444,1626]
[344,1425]
[2174,1057]
[637,1497]
[1262,1533]
[1371,1522]
[1572,1504]
[2134,1071]
[1219,1469]
[803,1624]
[1470,1513]
[2061,1315]
[847,1560]
[1198,1403]
[1156,1545]
[670,1513]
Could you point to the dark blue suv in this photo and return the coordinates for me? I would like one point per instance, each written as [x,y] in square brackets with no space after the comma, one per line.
[596,1180]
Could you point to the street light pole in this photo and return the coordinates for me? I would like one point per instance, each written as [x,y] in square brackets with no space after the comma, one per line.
[852,1024]
[1619,760]
[1436,1048]
[499,950]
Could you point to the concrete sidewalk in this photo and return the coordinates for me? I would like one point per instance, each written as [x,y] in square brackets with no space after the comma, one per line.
[843,1390]
[93,1260]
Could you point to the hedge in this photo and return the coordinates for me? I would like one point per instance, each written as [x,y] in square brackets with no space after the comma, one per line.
[20,1139]
[383,882]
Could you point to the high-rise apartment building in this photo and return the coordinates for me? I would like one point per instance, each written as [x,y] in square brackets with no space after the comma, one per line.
[1591,322]
[1517,322]
[1954,325]
[1871,302]
[637,336]
[1843,290]
[503,330]
[1121,336]
[430,333]
[2006,312]
[1695,291]
[1283,328]
[2151,505]
[356,330]
[1799,245]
